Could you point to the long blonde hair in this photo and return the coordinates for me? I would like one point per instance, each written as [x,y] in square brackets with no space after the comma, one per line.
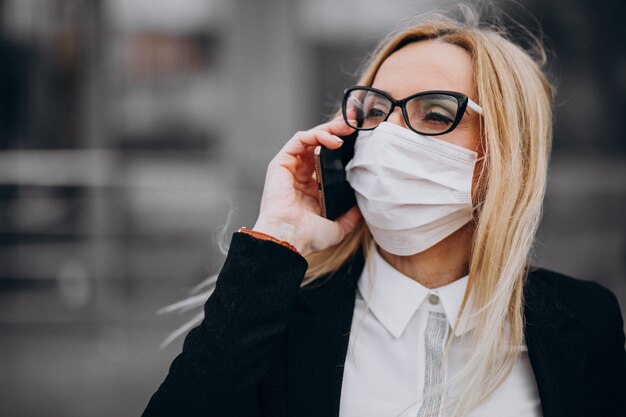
[516,131]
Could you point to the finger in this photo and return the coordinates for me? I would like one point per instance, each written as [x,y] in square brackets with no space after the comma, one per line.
[304,174]
[351,113]
[308,158]
[306,170]
[304,178]
[325,125]
[310,191]
[302,141]
[337,126]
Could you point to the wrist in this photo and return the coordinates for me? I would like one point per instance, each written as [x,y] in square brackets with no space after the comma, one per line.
[282,232]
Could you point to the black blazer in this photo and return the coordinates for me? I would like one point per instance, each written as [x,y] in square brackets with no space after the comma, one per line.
[270,348]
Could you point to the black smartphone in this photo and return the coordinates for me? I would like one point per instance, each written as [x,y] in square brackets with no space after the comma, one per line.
[336,196]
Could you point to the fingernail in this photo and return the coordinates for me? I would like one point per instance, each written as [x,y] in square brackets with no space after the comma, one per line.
[337,139]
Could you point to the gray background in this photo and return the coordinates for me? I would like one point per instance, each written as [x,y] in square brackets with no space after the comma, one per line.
[130,128]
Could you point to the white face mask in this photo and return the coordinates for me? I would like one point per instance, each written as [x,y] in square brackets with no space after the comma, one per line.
[413,190]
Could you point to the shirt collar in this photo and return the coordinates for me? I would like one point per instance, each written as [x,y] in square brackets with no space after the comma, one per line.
[396,297]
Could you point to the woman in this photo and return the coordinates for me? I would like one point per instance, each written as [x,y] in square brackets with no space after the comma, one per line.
[420,301]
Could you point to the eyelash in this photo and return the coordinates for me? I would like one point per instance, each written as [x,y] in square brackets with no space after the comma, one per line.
[440,118]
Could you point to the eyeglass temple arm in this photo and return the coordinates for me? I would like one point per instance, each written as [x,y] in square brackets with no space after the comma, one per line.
[475,107]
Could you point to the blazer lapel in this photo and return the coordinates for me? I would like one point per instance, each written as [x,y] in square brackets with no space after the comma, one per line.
[555,349]
[318,336]
[319,331]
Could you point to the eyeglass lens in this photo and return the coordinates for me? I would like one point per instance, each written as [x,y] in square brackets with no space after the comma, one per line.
[429,113]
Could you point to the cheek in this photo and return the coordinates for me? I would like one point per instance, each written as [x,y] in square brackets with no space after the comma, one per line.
[466,136]
[469,134]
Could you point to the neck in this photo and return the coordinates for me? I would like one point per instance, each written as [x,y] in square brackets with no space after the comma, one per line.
[440,264]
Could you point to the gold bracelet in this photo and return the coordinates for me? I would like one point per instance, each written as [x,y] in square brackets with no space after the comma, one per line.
[265,236]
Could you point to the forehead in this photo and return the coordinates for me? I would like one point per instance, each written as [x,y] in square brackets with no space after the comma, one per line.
[426,65]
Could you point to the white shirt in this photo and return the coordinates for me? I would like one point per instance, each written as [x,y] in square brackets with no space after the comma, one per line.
[384,372]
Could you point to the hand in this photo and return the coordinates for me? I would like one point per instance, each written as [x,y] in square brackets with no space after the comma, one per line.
[289,205]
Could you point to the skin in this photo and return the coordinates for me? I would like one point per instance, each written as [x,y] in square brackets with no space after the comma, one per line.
[289,207]
[422,66]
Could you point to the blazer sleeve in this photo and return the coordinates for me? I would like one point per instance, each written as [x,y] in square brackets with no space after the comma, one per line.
[224,358]
[618,391]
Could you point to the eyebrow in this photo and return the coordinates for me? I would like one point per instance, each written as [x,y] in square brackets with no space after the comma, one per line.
[470,103]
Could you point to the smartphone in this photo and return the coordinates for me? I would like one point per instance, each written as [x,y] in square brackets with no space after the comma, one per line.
[336,196]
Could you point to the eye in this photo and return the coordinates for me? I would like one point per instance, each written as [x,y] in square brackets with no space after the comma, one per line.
[432,113]
[375,112]
[375,109]
[439,116]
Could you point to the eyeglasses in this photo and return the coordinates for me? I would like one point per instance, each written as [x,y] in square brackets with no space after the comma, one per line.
[429,113]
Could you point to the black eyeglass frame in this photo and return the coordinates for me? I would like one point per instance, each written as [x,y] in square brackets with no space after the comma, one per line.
[463,102]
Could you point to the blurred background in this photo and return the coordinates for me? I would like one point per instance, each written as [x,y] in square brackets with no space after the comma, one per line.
[129,129]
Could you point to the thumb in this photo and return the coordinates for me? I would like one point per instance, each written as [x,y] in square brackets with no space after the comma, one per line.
[332,232]
[348,221]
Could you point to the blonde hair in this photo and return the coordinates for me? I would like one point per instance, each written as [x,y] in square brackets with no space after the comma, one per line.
[516,132]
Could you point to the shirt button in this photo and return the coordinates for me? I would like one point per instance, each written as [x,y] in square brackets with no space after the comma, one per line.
[433,299]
